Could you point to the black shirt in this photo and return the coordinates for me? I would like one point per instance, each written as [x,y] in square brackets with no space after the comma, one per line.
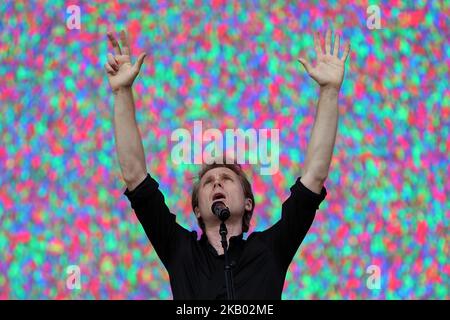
[195,269]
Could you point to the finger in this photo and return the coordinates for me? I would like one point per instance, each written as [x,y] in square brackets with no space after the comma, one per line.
[317,45]
[346,51]
[337,40]
[112,62]
[140,60]
[109,69]
[114,43]
[305,64]
[125,46]
[328,42]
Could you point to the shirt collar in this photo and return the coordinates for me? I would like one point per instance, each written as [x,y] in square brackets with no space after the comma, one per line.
[233,242]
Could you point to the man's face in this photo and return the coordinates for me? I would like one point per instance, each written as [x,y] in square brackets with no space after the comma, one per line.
[221,184]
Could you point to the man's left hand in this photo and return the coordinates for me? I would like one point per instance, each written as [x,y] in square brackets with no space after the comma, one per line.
[329,70]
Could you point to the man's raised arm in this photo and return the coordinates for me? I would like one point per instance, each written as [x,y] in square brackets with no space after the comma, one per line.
[121,74]
[329,74]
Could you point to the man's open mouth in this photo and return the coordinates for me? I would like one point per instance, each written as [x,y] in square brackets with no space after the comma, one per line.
[218,196]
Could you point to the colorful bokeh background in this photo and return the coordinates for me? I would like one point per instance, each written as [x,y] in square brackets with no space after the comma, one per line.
[230,64]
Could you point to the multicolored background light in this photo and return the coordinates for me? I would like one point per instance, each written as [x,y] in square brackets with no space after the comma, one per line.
[231,64]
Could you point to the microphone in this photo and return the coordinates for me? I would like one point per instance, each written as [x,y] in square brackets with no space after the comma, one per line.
[220,210]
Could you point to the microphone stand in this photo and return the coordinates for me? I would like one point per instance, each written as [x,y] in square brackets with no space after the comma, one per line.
[228,268]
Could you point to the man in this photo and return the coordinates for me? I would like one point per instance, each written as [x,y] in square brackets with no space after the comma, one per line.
[259,264]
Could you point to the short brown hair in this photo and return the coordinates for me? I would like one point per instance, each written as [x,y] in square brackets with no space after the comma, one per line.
[246,186]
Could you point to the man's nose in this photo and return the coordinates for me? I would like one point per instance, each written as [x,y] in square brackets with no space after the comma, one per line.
[217,183]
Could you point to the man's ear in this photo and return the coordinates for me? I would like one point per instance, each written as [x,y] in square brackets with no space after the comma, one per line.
[197,212]
[248,204]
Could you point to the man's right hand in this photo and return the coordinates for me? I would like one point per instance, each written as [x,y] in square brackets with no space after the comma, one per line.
[121,73]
